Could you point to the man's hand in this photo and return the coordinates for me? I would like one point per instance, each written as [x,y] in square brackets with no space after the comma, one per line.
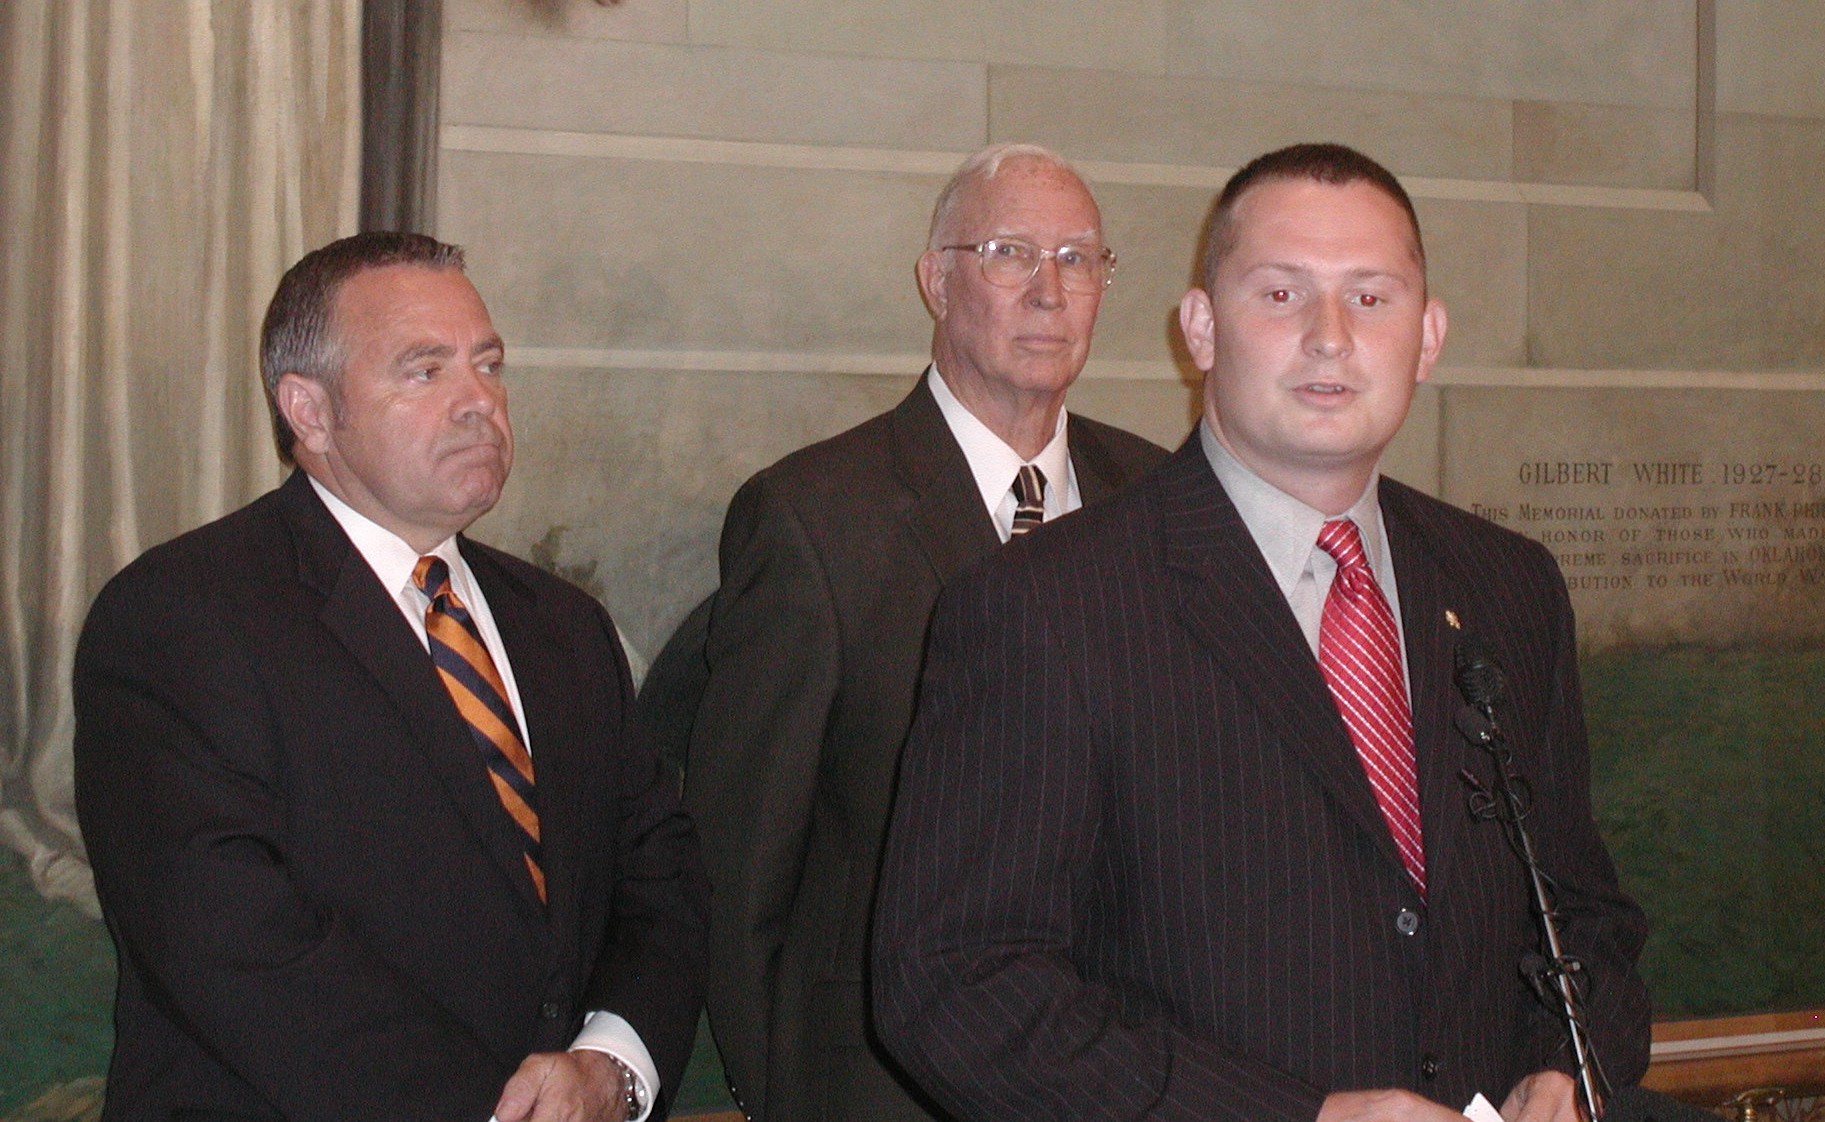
[1544,1096]
[1384,1106]
[580,1086]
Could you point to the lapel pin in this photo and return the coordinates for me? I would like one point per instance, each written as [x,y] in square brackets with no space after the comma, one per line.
[1451,618]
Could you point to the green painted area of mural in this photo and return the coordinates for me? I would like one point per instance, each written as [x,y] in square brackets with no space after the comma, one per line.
[1709,781]
[56,990]
[703,1088]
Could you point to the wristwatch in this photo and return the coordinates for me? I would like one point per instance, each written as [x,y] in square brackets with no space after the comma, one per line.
[629,1085]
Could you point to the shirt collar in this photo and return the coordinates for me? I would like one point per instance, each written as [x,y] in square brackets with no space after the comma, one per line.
[386,552]
[1284,528]
[991,460]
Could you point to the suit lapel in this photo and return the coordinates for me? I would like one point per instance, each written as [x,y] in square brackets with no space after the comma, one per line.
[946,514]
[1425,597]
[1098,475]
[1232,605]
[365,620]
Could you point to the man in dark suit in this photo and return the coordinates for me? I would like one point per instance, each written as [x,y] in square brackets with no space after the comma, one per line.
[1138,867]
[831,561]
[366,824]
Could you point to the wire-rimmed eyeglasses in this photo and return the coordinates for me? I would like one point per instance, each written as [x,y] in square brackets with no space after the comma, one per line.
[1012,262]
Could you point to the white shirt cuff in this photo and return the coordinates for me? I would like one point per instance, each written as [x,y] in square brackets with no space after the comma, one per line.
[611,1034]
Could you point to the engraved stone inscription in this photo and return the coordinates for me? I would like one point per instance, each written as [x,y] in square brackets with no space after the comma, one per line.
[1692,516]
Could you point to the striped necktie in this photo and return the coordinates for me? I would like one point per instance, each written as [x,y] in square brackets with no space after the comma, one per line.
[1359,653]
[1029,500]
[481,697]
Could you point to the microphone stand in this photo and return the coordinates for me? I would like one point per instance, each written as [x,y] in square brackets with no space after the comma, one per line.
[1479,679]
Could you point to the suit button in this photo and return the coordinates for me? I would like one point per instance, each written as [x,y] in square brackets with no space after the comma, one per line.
[1428,1067]
[1407,922]
[550,1010]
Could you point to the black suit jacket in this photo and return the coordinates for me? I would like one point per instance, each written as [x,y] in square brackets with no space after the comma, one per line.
[319,907]
[1136,871]
[831,562]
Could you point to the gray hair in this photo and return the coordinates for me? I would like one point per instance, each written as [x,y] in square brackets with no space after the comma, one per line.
[977,169]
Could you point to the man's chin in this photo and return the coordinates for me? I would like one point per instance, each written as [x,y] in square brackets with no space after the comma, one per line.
[477,493]
[1046,375]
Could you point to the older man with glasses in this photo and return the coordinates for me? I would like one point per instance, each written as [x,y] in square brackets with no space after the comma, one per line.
[831,562]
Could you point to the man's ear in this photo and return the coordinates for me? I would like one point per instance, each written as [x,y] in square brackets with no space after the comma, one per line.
[1432,338]
[932,279]
[1198,323]
[306,406]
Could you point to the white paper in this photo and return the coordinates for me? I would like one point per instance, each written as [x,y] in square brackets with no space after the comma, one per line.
[1479,1110]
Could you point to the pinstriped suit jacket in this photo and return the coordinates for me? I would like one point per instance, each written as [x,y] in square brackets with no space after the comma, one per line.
[1135,870]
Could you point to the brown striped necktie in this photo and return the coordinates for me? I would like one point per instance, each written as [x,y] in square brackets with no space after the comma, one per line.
[1029,500]
[481,697]
[1359,653]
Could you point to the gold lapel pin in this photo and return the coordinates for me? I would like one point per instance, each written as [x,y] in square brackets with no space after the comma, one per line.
[1451,618]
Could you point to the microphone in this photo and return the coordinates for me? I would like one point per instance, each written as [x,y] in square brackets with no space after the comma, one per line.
[1479,676]
[1508,799]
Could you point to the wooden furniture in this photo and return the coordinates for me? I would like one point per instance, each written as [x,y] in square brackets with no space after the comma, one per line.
[1706,1062]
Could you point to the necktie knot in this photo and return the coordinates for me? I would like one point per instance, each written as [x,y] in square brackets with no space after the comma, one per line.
[1343,541]
[1030,484]
[1029,499]
[432,576]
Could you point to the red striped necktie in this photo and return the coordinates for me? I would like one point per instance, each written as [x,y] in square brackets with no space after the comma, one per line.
[1359,653]
[481,697]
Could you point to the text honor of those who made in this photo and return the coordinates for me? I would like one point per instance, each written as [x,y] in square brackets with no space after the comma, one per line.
[1643,542]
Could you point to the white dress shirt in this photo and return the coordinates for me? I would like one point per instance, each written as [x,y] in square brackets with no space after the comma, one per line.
[995,465]
[393,561]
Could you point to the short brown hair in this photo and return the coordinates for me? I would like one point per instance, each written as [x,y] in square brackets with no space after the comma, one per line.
[1333,164]
[297,335]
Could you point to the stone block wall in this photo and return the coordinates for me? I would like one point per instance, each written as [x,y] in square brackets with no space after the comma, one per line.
[696,220]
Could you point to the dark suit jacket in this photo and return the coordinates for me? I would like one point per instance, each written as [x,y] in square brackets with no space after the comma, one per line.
[319,908]
[831,561]
[1136,871]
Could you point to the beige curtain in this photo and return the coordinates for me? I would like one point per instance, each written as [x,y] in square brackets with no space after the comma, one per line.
[161,162]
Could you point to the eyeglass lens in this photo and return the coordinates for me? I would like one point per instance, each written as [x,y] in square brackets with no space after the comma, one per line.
[1011,262]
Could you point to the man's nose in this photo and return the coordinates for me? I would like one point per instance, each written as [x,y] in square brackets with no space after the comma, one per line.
[1328,334]
[1046,287]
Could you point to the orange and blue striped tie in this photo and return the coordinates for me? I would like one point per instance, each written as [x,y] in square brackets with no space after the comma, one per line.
[481,697]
